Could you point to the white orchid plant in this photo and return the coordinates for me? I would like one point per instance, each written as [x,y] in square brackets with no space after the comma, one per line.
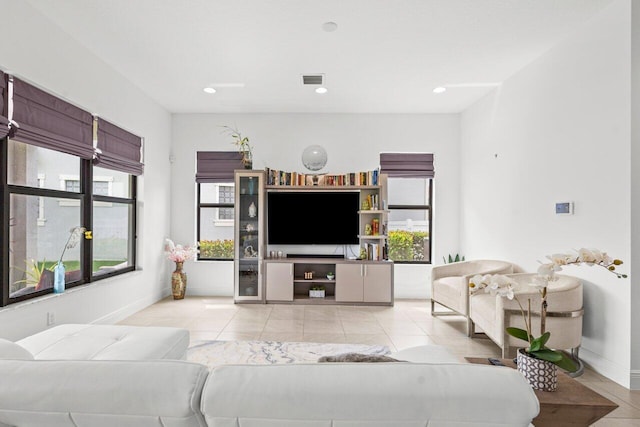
[504,286]
[178,253]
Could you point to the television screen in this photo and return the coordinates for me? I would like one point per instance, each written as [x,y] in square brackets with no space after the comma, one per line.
[313,218]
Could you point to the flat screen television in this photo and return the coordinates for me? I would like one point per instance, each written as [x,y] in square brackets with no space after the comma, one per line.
[313,218]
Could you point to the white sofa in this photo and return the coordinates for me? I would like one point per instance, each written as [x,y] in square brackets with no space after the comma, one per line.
[450,284]
[175,393]
[493,314]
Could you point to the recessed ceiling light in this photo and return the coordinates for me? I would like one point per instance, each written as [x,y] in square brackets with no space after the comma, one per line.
[329,27]
[209,90]
[440,89]
[321,90]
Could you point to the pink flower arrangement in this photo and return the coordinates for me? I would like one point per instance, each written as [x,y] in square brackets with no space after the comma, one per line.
[178,253]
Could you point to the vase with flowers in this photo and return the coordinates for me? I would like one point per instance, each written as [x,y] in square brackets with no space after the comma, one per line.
[59,270]
[178,254]
[537,362]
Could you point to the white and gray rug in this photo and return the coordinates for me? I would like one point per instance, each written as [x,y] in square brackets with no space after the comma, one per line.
[216,353]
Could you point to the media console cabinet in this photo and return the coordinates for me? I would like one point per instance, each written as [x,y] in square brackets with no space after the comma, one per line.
[260,279]
[352,282]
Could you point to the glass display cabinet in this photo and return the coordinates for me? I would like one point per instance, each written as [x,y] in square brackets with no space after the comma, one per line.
[249,236]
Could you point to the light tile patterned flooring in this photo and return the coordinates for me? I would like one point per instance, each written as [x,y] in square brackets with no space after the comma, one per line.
[407,324]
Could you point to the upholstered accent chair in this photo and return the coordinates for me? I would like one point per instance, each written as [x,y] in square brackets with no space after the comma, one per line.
[493,314]
[450,284]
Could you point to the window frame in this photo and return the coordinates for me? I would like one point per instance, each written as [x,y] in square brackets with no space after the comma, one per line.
[223,222]
[428,208]
[85,199]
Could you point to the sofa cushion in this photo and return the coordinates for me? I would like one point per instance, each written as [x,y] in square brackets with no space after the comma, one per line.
[99,393]
[12,351]
[108,342]
[358,394]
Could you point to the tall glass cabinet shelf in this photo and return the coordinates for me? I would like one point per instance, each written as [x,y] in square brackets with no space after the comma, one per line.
[249,236]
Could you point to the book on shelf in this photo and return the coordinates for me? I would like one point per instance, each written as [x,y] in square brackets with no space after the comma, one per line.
[275,177]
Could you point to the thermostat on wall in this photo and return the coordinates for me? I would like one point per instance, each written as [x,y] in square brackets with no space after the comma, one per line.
[564,208]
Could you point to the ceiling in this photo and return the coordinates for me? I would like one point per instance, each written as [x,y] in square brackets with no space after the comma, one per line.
[386,56]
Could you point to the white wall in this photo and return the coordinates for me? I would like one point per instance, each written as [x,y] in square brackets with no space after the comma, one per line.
[353,143]
[42,54]
[559,130]
[635,191]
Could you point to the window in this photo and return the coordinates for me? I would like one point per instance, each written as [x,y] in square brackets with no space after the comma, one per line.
[54,138]
[113,217]
[216,199]
[215,220]
[409,221]
[410,191]
[72,185]
[37,243]
[225,196]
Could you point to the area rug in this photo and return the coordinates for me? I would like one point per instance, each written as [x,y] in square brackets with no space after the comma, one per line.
[216,353]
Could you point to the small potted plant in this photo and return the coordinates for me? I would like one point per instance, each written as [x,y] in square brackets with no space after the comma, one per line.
[330,275]
[242,142]
[316,291]
[537,362]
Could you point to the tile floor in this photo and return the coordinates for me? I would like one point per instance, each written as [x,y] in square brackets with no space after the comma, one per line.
[407,324]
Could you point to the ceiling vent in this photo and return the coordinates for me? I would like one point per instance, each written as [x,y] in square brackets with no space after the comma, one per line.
[312,79]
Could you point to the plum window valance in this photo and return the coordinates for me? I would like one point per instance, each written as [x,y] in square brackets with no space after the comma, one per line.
[118,149]
[36,117]
[50,122]
[217,166]
[407,165]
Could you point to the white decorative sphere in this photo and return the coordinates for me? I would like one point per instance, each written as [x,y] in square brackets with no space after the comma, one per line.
[314,157]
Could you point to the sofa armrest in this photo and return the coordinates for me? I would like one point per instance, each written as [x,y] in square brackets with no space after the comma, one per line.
[93,392]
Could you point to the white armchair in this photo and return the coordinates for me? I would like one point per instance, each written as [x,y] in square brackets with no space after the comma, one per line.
[450,284]
[493,314]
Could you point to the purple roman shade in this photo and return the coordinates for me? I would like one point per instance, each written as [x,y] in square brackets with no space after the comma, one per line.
[217,166]
[4,121]
[49,122]
[7,127]
[118,149]
[407,165]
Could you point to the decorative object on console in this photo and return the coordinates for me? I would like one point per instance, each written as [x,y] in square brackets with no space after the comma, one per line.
[314,157]
[308,275]
[316,291]
[242,142]
[375,226]
[330,275]
[506,287]
[59,271]
[178,254]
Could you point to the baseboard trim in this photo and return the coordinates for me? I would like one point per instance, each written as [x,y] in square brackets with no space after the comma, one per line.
[635,379]
[606,367]
[131,308]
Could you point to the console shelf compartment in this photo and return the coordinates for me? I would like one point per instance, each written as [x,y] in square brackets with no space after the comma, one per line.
[356,282]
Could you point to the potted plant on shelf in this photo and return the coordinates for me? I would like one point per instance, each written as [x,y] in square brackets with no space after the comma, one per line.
[316,291]
[537,362]
[242,142]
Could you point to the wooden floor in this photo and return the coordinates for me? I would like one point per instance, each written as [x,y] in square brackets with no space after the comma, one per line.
[407,324]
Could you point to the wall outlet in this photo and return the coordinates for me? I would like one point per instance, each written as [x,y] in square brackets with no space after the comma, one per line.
[51,318]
